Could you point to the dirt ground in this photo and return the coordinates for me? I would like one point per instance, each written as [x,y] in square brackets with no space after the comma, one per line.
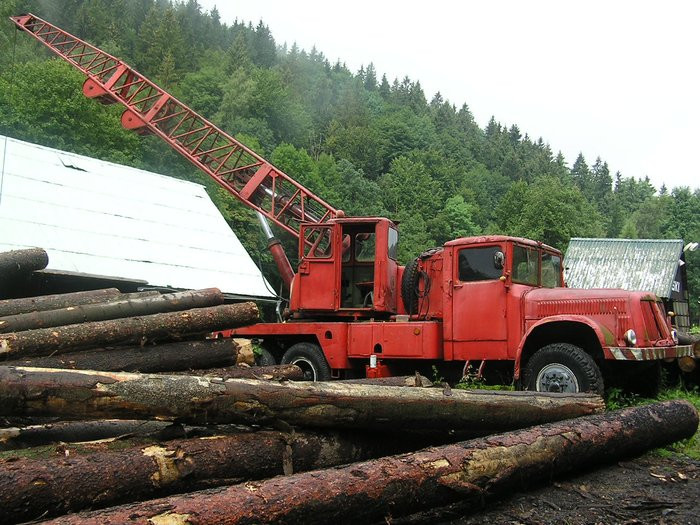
[646,490]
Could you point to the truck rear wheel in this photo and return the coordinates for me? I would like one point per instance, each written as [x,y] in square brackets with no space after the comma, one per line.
[309,357]
[562,367]
[263,357]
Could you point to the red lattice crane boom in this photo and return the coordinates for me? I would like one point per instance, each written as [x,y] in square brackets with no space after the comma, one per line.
[151,109]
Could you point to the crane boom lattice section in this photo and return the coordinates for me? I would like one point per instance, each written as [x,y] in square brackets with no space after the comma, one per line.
[150,109]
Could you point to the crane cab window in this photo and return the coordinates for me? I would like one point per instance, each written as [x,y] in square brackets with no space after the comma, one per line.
[526,265]
[364,247]
[317,242]
[479,264]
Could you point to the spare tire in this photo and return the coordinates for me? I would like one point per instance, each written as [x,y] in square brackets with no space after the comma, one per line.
[409,286]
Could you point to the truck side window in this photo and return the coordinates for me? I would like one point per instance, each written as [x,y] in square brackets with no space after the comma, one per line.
[477,264]
[526,265]
[551,270]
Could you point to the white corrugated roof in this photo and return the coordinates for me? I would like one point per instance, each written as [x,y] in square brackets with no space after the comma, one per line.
[102,218]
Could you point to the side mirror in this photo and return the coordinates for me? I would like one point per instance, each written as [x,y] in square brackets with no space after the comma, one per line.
[499,260]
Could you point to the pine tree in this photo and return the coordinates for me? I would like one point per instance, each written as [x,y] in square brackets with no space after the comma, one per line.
[384,88]
[601,180]
[370,79]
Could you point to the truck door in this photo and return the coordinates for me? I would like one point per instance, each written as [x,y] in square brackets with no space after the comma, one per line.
[478,312]
[318,280]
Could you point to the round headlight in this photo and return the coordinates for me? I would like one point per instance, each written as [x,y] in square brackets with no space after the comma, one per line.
[630,337]
[674,335]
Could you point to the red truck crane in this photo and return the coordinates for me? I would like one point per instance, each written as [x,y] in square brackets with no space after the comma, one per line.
[354,310]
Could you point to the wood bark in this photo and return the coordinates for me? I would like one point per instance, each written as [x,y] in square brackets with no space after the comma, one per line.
[126,307]
[416,380]
[269,373]
[19,262]
[398,485]
[78,394]
[32,488]
[83,437]
[184,355]
[63,300]
[74,431]
[166,326]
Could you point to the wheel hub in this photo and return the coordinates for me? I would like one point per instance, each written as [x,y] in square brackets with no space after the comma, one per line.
[557,378]
[306,367]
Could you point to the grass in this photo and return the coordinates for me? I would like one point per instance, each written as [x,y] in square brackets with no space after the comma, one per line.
[616,399]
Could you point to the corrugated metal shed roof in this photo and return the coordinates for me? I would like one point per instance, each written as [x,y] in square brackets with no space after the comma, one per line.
[631,264]
[102,218]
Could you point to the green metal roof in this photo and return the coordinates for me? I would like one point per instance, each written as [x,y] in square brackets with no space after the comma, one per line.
[631,264]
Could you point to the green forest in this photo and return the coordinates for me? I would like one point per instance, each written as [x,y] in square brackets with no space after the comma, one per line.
[368,144]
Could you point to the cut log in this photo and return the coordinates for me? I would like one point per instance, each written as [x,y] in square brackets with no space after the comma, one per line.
[83,437]
[19,262]
[399,485]
[416,380]
[74,431]
[172,325]
[74,394]
[269,373]
[106,478]
[127,307]
[184,355]
[63,300]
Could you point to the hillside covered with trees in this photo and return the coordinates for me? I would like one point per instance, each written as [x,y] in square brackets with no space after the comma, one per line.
[368,144]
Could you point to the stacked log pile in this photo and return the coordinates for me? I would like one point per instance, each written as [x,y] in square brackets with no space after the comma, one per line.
[255,429]
[107,330]
[132,416]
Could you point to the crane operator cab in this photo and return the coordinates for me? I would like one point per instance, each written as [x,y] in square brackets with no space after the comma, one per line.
[348,267]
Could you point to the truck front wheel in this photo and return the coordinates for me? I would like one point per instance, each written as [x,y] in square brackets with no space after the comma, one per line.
[309,357]
[562,367]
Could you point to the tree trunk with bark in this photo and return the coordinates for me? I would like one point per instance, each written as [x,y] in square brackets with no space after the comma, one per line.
[64,300]
[22,262]
[94,395]
[166,326]
[100,479]
[127,307]
[166,357]
[73,431]
[416,380]
[82,437]
[399,485]
[269,373]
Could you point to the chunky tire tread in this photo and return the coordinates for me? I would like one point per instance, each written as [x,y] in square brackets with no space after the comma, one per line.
[589,377]
[313,354]
[409,285]
[265,358]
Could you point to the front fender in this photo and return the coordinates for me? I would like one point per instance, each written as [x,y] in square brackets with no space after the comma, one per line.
[580,319]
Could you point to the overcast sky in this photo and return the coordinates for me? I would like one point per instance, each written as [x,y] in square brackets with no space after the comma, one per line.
[615,79]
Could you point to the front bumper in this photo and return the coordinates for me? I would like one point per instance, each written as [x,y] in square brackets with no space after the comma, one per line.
[647,354]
